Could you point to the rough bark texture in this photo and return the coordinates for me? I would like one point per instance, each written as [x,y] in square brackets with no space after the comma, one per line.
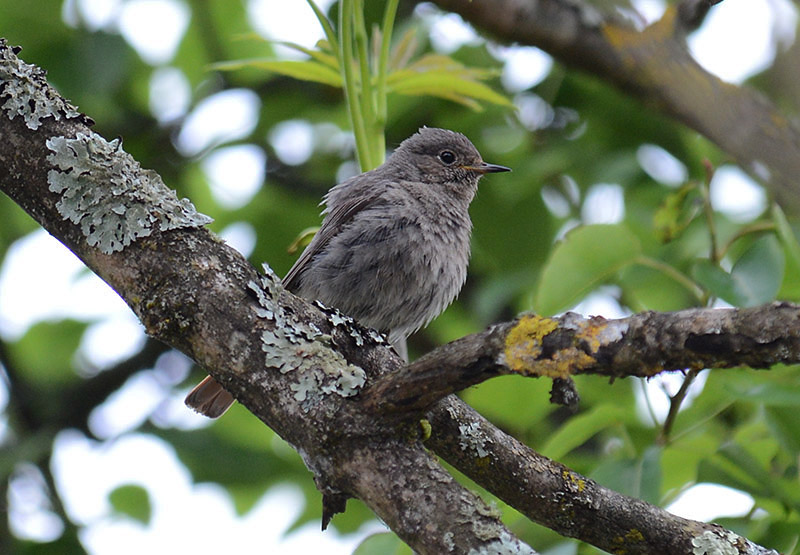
[303,369]
[654,65]
[561,499]
[279,354]
[640,345]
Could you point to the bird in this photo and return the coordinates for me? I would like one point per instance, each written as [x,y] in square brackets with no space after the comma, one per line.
[394,244]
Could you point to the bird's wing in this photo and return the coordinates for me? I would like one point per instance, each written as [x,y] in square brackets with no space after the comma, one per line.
[334,220]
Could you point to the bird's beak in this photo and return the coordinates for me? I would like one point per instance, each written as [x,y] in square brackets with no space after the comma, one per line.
[483,167]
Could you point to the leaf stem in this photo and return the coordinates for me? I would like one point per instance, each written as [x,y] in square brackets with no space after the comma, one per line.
[675,402]
[330,34]
[367,91]
[346,16]
[383,62]
[709,211]
[671,272]
[755,227]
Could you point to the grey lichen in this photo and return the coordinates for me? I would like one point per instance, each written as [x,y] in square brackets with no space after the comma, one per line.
[504,544]
[711,543]
[725,542]
[113,199]
[24,91]
[295,346]
[448,541]
[472,439]
[337,319]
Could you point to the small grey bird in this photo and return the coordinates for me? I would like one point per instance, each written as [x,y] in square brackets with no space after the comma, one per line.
[393,248]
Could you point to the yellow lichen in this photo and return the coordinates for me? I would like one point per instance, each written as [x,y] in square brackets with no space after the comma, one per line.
[425,429]
[523,349]
[634,536]
[524,343]
[623,37]
[579,482]
[593,333]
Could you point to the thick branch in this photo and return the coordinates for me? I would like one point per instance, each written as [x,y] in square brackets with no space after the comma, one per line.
[294,365]
[655,66]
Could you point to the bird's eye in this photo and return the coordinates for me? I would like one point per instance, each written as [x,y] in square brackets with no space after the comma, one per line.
[447,157]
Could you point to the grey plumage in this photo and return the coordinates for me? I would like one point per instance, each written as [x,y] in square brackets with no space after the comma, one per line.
[393,248]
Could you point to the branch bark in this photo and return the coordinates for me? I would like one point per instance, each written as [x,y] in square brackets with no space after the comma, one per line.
[294,365]
[301,368]
[640,345]
[551,494]
[655,66]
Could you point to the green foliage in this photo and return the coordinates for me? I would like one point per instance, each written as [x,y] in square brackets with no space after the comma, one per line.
[586,258]
[132,501]
[382,544]
[754,279]
[580,429]
[367,76]
[49,366]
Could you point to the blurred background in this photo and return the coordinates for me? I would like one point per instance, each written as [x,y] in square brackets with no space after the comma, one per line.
[97,451]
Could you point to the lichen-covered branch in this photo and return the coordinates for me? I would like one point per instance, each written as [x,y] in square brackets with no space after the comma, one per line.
[561,499]
[641,345]
[655,66]
[295,365]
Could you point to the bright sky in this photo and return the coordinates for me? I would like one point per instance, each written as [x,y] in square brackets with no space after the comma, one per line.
[734,43]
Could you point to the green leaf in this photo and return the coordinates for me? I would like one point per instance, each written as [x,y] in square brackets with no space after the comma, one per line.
[785,427]
[445,85]
[47,349]
[404,49]
[442,76]
[735,467]
[715,472]
[330,34]
[321,54]
[755,278]
[769,394]
[382,543]
[587,257]
[640,477]
[670,219]
[714,279]
[650,288]
[305,70]
[445,64]
[132,501]
[786,234]
[579,429]
[770,484]
[790,288]
[758,274]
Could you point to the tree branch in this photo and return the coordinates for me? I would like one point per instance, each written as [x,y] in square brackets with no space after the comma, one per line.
[691,13]
[640,345]
[294,365]
[551,494]
[655,66]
